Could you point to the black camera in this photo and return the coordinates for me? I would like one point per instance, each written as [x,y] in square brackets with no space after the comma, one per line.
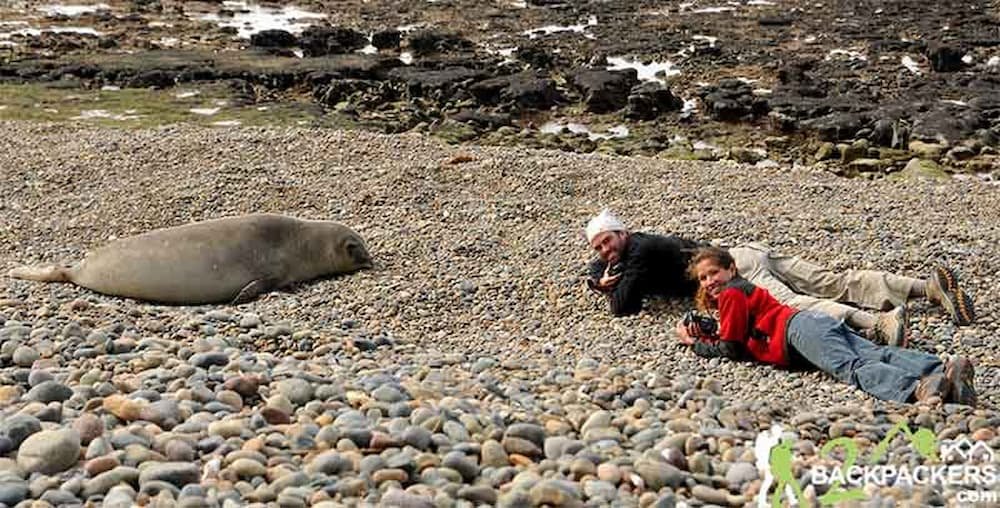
[707,325]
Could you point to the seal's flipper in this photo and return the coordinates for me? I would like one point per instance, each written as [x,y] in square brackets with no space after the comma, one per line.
[41,273]
[254,289]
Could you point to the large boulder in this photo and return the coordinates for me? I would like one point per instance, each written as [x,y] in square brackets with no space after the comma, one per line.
[436,83]
[520,91]
[424,42]
[944,57]
[733,100]
[650,99]
[605,91]
[330,40]
[273,39]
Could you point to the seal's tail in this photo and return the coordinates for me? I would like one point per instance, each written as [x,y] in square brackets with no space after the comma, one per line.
[41,273]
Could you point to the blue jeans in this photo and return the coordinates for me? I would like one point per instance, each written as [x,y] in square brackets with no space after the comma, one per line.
[887,372]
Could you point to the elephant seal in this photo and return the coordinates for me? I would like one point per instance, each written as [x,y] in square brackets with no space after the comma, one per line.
[233,259]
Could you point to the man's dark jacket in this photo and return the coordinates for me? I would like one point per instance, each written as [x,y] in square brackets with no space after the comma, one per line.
[650,265]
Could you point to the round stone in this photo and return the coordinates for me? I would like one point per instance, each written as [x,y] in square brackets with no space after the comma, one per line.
[49,451]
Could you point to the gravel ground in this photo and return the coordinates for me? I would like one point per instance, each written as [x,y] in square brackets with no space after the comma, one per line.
[470,367]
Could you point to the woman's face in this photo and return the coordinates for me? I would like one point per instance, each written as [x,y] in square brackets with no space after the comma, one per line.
[712,277]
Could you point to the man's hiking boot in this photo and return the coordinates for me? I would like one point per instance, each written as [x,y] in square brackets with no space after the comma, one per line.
[942,288]
[891,327]
[961,373]
[934,385]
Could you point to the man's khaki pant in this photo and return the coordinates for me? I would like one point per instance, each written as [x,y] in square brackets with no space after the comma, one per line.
[803,285]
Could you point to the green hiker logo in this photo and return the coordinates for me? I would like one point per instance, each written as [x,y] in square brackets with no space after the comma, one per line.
[775,457]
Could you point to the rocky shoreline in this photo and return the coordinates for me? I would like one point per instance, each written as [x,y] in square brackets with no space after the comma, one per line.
[471,367]
[838,86]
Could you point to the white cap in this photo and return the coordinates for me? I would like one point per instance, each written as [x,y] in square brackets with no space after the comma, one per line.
[602,223]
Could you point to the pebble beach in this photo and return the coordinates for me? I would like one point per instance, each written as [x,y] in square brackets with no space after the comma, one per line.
[471,366]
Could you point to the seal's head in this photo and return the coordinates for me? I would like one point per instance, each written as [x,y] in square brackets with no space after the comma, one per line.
[351,253]
[335,249]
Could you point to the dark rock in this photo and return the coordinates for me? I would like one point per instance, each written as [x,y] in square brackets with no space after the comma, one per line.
[649,100]
[152,79]
[520,91]
[6,445]
[439,84]
[538,56]
[944,57]
[358,91]
[273,39]
[17,428]
[50,391]
[206,360]
[605,91]
[330,40]
[775,21]
[733,100]
[889,133]
[424,42]
[838,126]
[481,118]
[386,39]
[12,492]
[175,473]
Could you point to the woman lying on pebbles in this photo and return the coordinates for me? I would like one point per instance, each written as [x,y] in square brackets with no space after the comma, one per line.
[751,323]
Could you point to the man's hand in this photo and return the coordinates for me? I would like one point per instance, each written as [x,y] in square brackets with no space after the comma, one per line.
[608,281]
[684,334]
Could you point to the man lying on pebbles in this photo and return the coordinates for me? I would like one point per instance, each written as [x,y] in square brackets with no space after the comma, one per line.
[633,265]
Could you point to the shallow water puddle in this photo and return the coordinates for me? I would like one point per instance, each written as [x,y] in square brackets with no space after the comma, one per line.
[227,123]
[618,131]
[249,18]
[71,10]
[647,71]
[551,29]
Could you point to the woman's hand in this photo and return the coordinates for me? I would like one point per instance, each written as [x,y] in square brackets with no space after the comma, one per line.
[684,333]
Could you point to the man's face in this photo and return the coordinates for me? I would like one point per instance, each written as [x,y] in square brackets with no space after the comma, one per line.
[609,245]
